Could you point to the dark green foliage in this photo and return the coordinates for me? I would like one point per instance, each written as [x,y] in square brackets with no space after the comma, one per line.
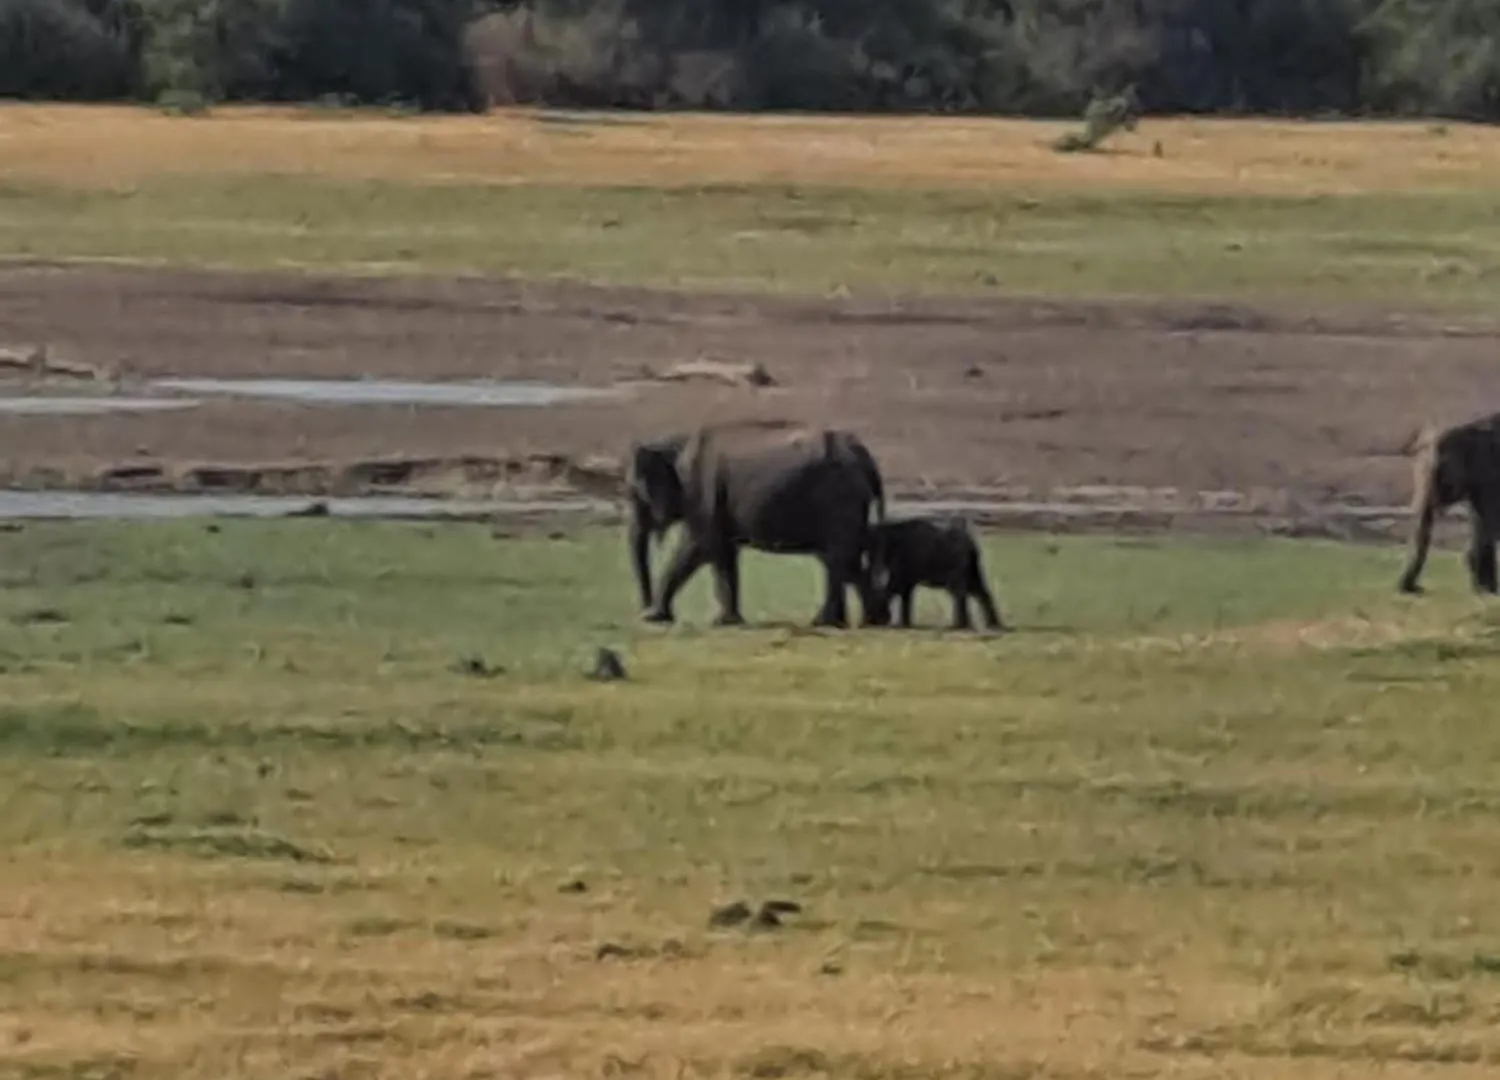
[1036,57]
[1437,56]
[67,49]
[190,53]
[408,52]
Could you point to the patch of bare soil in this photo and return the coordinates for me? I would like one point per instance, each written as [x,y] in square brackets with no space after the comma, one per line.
[1255,418]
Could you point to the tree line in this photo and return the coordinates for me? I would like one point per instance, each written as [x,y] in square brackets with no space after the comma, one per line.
[1032,57]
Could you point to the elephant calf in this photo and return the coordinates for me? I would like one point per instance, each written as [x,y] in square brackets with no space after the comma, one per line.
[933,552]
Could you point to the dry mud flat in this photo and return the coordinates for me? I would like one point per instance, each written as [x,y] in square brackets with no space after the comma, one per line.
[1064,415]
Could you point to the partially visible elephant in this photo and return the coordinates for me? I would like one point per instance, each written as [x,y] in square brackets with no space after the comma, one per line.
[770,486]
[935,552]
[1460,464]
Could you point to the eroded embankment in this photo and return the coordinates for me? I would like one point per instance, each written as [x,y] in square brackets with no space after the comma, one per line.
[554,485]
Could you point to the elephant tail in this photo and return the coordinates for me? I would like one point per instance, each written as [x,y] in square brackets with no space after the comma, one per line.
[1423,448]
[867,464]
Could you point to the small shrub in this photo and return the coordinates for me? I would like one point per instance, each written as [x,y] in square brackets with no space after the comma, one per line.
[182,102]
[1102,118]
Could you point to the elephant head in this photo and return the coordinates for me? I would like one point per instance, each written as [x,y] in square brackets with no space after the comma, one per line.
[655,491]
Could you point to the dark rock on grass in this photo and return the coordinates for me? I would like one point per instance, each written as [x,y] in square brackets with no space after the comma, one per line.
[608,667]
[478,667]
[771,913]
[767,916]
[730,914]
[318,508]
[40,616]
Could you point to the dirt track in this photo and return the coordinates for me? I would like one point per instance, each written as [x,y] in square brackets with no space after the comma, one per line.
[957,397]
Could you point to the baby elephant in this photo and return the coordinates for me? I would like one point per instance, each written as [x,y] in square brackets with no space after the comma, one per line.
[940,553]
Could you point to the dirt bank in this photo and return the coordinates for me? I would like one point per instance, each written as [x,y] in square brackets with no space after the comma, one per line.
[1283,411]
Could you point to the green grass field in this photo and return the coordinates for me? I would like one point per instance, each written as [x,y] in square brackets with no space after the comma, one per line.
[1421,249]
[1213,810]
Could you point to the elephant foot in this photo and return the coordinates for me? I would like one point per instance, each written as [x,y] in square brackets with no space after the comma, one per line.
[730,618]
[656,615]
[1409,588]
[831,620]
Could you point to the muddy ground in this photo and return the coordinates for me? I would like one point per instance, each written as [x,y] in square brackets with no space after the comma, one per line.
[1275,413]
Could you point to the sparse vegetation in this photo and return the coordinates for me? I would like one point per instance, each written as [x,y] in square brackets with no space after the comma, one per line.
[1251,209]
[295,838]
[1103,117]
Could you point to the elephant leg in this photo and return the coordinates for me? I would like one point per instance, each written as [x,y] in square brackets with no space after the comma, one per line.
[1481,557]
[727,586]
[840,568]
[870,604]
[906,606]
[981,592]
[691,554]
[960,595]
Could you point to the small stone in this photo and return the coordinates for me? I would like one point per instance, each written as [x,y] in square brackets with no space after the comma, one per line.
[577,885]
[608,667]
[609,950]
[478,667]
[730,914]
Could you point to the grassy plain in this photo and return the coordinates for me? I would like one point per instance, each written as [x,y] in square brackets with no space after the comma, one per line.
[1311,211]
[1214,810]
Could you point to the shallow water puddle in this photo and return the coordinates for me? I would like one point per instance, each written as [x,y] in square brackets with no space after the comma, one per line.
[391,391]
[90,406]
[17,504]
[132,506]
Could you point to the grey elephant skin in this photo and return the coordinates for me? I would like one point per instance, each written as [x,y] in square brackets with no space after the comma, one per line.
[770,486]
[939,553]
[1460,464]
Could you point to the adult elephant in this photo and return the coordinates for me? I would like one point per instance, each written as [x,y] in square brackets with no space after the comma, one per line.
[770,486]
[1460,464]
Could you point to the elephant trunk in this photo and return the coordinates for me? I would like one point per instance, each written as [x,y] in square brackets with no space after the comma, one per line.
[639,536]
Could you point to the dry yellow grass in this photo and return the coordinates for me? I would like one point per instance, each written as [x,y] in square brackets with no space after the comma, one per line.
[108,146]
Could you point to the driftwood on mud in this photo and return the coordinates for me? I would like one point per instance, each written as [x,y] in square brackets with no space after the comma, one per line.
[729,372]
[39,361]
[437,475]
